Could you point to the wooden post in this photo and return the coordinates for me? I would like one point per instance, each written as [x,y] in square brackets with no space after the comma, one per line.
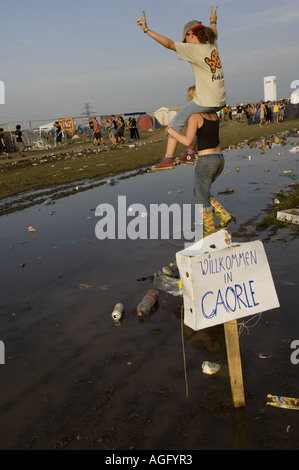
[234,362]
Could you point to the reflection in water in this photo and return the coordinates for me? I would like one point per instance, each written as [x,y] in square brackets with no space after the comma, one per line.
[70,372]
[212,338]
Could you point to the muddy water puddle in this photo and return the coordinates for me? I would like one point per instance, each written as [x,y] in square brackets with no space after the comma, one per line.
[74,380]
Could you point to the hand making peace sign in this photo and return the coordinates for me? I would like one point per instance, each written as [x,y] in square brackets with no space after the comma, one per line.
[142,21]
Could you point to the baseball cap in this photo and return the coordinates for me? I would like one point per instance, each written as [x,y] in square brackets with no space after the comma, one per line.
[190,25]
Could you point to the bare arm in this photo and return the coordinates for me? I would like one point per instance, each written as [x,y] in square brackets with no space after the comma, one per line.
[194,123]
[213,21]
[165,42]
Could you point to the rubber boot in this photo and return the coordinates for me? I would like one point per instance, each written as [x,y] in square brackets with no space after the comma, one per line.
[224,216]
[208,222]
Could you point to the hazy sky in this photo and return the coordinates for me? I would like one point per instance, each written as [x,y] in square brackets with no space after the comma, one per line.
[58,55]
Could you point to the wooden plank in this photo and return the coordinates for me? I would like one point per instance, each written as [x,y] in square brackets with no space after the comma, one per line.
[234,362]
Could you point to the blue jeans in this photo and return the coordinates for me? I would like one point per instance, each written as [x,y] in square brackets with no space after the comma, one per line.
[181,118]
[207,170]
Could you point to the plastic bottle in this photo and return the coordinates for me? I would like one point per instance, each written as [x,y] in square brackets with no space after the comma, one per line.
[147,303]
[118,312]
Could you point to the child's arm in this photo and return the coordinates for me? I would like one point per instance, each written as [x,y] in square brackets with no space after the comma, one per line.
[213,21]
[168,43]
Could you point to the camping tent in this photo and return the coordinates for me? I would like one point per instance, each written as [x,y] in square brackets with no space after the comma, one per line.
[46,127]
[34,140]
[146,122]
[164,115]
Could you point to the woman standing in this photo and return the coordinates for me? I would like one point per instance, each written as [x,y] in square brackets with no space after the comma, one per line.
[210,164]
[58,134]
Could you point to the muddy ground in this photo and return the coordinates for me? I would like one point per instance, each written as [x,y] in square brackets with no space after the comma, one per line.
[79,161]
[73,380]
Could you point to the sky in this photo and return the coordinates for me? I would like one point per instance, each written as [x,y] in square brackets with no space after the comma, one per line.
[57,56]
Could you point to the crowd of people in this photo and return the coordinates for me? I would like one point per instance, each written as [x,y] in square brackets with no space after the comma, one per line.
[256,113]
[115,128]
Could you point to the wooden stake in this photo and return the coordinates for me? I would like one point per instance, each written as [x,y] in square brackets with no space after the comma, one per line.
[234,362]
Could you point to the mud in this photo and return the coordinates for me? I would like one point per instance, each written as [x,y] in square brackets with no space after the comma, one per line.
[73,380]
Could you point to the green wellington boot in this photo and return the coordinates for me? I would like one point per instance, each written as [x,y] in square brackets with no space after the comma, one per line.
[208,222]
[224,216]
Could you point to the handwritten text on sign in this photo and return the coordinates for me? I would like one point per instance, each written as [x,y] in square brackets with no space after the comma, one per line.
[226,284]
[235,295]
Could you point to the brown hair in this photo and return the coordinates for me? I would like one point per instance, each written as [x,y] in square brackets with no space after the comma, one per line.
[206,35]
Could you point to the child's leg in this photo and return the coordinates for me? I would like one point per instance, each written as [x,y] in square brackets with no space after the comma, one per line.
[177,123]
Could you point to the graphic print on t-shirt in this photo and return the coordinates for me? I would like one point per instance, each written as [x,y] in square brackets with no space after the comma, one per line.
[214,61]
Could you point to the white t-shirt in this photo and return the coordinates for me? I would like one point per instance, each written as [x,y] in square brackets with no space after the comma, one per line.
[209,78]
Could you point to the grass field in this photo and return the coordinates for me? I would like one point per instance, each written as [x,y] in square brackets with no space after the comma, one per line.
[80,161]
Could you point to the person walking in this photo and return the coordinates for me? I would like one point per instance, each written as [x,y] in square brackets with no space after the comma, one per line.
[210,164]
[20,140]
[199,48]
[262,112]
[57,134]
[97,135]
[240,112]
[281,111]
[135,129]
[3,148]
[120,138]
[129,124]
[275,111]
[111,128]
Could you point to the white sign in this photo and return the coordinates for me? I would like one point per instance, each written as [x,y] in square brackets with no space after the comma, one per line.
[223,281]
[2,92]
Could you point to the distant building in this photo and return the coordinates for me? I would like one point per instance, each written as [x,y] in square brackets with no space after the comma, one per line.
[270,92]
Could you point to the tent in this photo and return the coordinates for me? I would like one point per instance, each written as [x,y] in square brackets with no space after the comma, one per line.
[46,127]
[146,122]
[165,114]
[34,140]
